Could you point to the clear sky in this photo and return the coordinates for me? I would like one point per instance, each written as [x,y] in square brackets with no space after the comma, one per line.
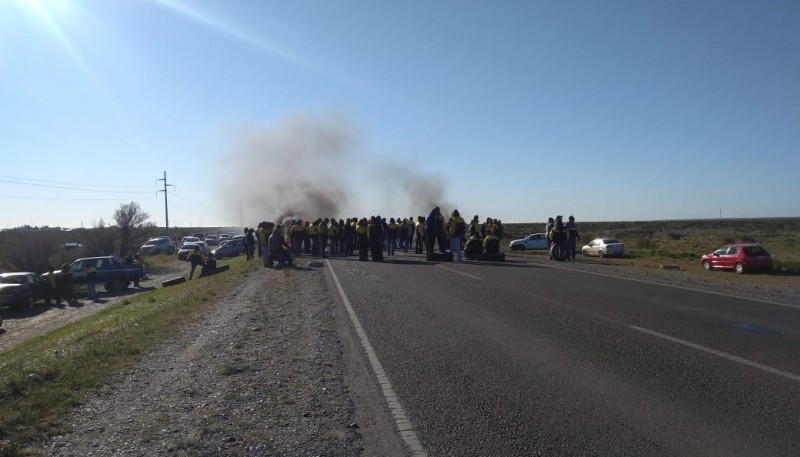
[518,110]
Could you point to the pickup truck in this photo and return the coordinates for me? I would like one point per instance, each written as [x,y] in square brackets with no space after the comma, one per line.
[112,272]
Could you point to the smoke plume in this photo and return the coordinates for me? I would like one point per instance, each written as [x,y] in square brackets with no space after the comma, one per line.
[306,168]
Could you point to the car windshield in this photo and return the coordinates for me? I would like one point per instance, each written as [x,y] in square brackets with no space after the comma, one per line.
[610,241]
[12,279]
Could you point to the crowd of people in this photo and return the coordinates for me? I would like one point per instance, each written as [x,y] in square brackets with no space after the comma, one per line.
[372,238]
[560,233]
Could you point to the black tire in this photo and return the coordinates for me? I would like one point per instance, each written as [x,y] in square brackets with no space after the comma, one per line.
[30,302]
[706,265]
[117,284]
[739,268]
[600,254]
[1,318]
[521,248]
[558,252]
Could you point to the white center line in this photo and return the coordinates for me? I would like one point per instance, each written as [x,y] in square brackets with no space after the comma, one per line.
[459,272]
[403,423]
[724,355]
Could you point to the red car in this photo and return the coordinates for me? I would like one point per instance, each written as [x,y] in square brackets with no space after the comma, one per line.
[738,257]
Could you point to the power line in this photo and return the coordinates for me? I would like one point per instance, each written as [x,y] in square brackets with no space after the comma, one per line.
[69,183]
[73,188]
[26,197]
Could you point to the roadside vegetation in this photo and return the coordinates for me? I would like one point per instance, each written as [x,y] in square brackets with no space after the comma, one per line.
[42,379]
[683,242]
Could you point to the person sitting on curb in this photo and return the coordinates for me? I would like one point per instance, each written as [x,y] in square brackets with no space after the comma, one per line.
[279,249]
[474,246]
[492,244]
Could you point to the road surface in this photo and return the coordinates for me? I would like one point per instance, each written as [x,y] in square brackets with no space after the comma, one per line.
[527,358]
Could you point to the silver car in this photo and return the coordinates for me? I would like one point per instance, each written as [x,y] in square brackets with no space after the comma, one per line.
[156,246]
[534,241]
[604,247]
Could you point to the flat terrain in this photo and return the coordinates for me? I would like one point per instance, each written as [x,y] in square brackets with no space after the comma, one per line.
[542,358]
[526,357]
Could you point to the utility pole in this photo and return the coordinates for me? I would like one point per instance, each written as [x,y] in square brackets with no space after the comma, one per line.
[166,208]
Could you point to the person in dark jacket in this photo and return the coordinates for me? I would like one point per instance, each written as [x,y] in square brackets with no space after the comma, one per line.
[393,231]
[574,237]
[375,235]
[431,229]
[66,284]
[362,231]
[196,257]
[279,249]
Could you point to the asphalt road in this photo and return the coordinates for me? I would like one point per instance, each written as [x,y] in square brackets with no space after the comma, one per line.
[521,359]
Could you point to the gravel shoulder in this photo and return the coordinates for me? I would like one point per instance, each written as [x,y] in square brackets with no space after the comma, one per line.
[260,375]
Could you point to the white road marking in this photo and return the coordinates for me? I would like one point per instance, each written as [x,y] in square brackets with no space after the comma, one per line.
[670,285]
[459,272]
[404,425]
[724,355]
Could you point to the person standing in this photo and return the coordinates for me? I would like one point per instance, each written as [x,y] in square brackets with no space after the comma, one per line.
[392,230]
[248,245]
[457,227]
[375,235]
[363,239]
[196,257]
[573,239]
[431,223]
[52,287]
[91,277]
[419,228]
[67,281]
[547,228]
[137,260]
[298,233]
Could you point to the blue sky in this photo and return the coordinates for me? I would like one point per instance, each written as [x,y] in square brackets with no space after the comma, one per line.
[518,110]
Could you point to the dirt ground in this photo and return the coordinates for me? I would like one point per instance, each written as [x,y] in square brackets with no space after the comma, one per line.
[22,324]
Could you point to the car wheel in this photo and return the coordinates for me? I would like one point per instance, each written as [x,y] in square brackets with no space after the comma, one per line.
[521,248]
[706,265]
[600,254]
[117,284]
[739,268]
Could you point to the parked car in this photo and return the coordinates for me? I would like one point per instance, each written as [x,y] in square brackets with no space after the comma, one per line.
[229,248]
[189,239]
[534,241]
[155,246]
[211,240]
[604,247]
[740,258]
[183,252]
[224,236]
[21,289]
[111,271]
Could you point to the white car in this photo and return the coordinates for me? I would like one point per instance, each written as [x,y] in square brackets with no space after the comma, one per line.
[534,241]
[604,247]
[189,239]
[156,246]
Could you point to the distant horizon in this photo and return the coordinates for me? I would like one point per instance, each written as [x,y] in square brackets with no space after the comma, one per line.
[204,227]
